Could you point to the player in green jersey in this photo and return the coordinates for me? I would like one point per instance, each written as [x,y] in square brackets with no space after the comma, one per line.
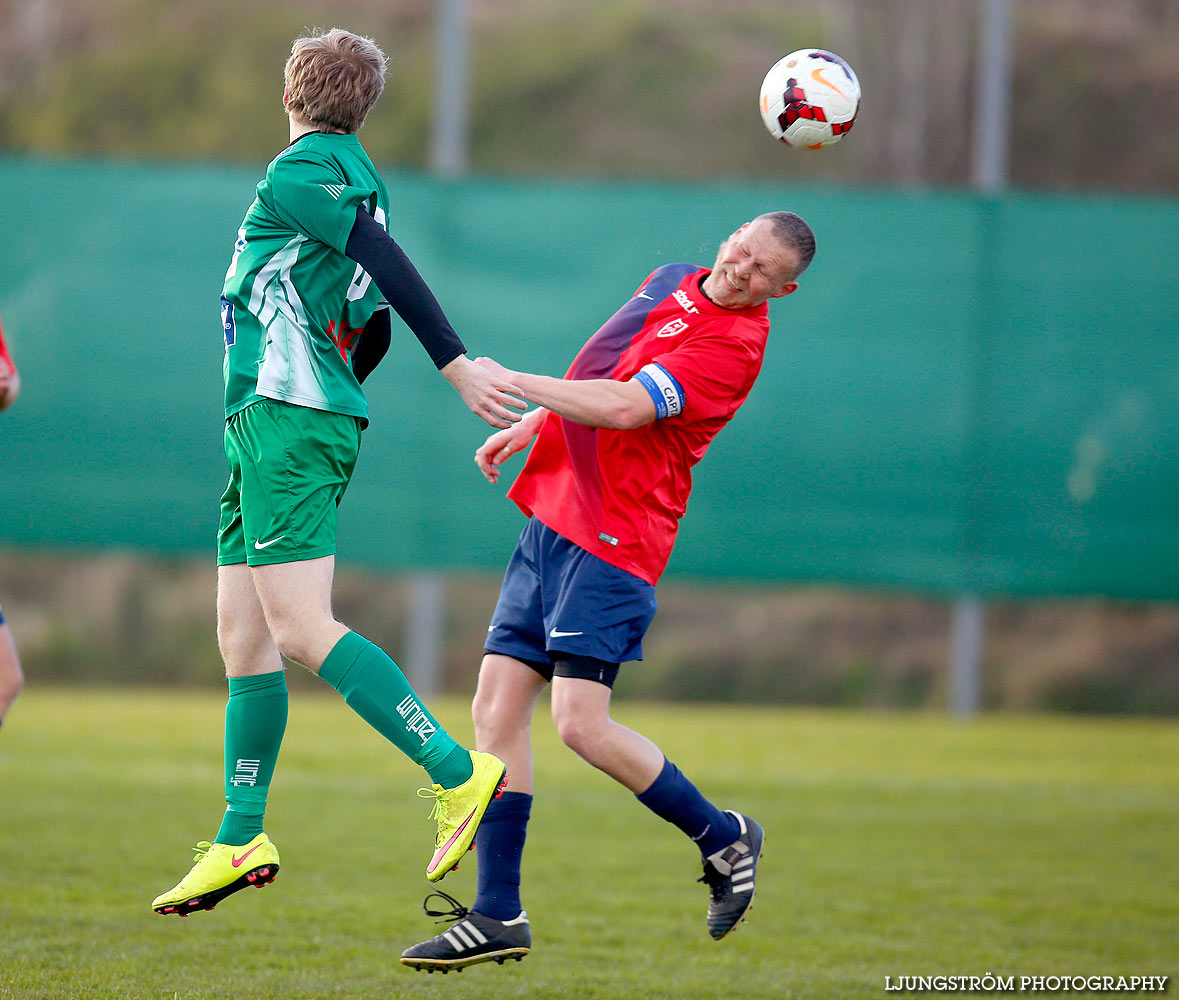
[304,324]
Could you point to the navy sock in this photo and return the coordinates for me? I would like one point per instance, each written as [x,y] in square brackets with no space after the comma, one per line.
[499,846]
[678,801]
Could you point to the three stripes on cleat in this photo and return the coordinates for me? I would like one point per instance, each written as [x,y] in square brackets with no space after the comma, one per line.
[742,875]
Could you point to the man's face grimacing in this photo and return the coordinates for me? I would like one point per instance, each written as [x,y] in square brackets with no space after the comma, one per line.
[751,267]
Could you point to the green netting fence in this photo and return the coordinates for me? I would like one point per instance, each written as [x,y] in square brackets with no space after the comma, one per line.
[968,394]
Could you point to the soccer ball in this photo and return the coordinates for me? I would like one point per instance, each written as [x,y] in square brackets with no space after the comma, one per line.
[810,98]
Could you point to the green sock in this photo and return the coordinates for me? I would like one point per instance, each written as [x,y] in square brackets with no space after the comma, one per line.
[375,689]
[255,720]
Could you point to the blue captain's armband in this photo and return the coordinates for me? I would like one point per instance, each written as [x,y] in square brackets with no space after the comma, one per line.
[664,390]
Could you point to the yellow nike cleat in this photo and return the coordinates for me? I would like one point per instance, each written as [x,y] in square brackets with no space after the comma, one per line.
[459,811]
[220,869]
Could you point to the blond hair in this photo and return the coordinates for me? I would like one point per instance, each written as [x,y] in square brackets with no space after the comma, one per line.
[334,78]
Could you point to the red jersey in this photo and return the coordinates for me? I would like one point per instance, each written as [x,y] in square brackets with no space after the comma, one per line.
[620,493]
[5,357]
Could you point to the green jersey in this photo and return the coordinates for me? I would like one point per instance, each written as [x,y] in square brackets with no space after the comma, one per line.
[293,303]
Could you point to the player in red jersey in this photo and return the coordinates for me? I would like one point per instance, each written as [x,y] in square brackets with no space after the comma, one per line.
[9,376]
[11,678]
[604,487]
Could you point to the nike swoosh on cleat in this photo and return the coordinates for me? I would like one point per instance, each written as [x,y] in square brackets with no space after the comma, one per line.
[237,862]
[445,847]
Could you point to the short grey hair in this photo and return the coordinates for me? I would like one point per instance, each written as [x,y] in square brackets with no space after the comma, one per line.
[794,234]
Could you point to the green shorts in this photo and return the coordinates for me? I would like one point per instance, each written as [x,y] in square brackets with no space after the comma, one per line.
[288,469]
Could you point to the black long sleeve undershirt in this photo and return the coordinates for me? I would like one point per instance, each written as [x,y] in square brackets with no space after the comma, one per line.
[372,345]
[378,253]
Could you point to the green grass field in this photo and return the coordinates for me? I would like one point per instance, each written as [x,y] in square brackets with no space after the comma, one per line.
[896,845]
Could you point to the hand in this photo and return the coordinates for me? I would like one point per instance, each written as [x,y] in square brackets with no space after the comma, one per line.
[493,366]
[486,393]
[9,386]
[502,444]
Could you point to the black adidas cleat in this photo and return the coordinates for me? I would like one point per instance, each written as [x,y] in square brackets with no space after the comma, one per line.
[729,875]
[472,939]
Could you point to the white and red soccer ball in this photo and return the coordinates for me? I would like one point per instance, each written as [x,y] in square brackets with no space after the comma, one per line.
[810,99]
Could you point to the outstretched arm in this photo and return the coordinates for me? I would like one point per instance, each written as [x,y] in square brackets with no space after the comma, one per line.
[486,394]
[597,402]
[406,291]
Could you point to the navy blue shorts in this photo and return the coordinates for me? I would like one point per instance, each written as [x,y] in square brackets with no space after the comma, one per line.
[557,598]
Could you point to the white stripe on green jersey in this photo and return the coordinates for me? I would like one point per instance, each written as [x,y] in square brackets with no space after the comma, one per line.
[293,302]
[287,369]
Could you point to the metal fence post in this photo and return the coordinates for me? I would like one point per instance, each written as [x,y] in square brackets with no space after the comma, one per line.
[965,686]
[427,612]
[989,175]
[448,147]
